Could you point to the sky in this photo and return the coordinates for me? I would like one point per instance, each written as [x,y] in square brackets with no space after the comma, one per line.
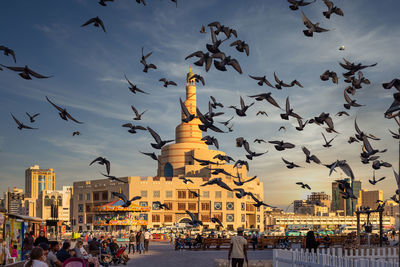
[88,68]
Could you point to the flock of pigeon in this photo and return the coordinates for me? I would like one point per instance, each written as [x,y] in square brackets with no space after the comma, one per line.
[222,60]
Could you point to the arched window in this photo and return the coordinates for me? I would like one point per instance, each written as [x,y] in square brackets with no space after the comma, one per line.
[168,170]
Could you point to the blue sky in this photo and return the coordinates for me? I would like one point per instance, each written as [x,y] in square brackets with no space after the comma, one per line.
[89,66]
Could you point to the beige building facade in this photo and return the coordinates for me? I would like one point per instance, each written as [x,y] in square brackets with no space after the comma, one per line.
[177,161]
[370,198]
[37,180]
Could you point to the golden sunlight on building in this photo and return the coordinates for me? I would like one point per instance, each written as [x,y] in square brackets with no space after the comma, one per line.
[176,160]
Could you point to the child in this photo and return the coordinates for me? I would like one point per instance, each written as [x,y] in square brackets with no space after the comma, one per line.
[14,252]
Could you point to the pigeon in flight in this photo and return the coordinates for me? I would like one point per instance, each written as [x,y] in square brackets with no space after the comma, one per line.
[138,115]
[240,182]
[341,113]
[241,112]
[279,83]
[262,80]
[126,201]
[303,185]
[219,182]
[166,82]
[289,112]
[240,163]
[134,88]
[7,51]
[281,145]
[329,74]
[103,2]
[224,158]
[21,125]
[394,83]
[374,180]
[353,68]
[344,166]
[266,96]
[261,112]
[63,112]
[32,118]
[204,162]
[97,22]
[193,220]
[186,180]
[327,144]
[296,3]
[76,133]
[160,205]
[350,103]
[151,155]
[216,104]
[113,178]
[311,26]
[26,72]
[205,59]
[332,9]
[226,60]
[188,116]
[143,61]
[395,135]
[217,221]
[133,128]
[210,140]
[310,157]
[290,165]
[160,143]
[241,46]
[102,161]
[194,193]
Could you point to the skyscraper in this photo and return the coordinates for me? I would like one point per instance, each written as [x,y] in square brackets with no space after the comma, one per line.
[37,180]
[349,206]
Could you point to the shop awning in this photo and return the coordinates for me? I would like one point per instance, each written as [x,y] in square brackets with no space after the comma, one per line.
[116,205]
[26,218]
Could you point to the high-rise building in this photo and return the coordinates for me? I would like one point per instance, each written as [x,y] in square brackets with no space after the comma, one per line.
[37,180]
[13,200]
[370,198]
[178,160]
[319,198]
[350,205]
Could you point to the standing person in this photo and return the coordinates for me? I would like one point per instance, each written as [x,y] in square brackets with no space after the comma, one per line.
[63,253]
[132,241]
[41,239]
[52,260]
[147,236]
[311,243]
[4,253]
[37,258]
[138,234]
[254,239]
[27,245]
[141,242]
[238,249]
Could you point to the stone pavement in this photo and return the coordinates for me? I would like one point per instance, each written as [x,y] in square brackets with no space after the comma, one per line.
[163,254]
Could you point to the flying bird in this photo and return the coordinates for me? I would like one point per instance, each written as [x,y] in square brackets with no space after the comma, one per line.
[210,140]
[126,201]
[217,221]
[188,116]
[327,143]
[26,72]
[224,158]
[341,113]
[186,180]
[303,185]
[166,82]
[311,26]
[32,118]
[332,9]
[226,60]
[203,29]
[134,88]
[240,182]
[63,112]
[241,46]
[96,22]
[241,112]
[265,96]
[374,181]
[281,145]
[113,178]
[219,182]
[143,61]
[261,112]
[151,155]
[102,161]
[76,133]
[7,51]
[289,111]
[133,128]
[259,141]
[296,3]
[103,2]
[216,104]
[258,202]
[222,28]
[344,166]
[218,171]
[262,80]
[193,220]
[206,123]
[350,103]
[197,78]
[204,59]
[394,83]
[279,83]
[21,125]
[395,135]
[282,128]
[310,157]
[160,143]
[377,164]
[138,115]
[161,205]
[204,162]
[329,74]
[240,163]
[353,68]
[301,124]
[194,193]
[290,165]
[352,140]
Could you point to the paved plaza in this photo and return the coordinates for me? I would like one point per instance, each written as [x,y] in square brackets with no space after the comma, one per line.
[163,254]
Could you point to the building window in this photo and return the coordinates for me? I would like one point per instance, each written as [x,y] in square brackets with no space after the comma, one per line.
[181,194]
[230,217]
[80,208]
[218,194]
[181,206]
[80,197]
[191,206]
[205,218]
[191,195]
[104,195]
[206,194]
[143,203]
[250,207]
[155,217]
[229,194]
[258,218]
[169,205]
[80,219]
[155,206]
[156,193]
[242,206]
[89,219]
[243,218]
[205,206]
[143,178]
[96,196]
[143,193]
[167,218]
[229,205]
[218,205]
[218,216]
[168,194]
[88,196]
[168,170]
[258,208]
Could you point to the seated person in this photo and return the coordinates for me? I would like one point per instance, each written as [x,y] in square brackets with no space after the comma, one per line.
[188,241]
[63,253]
[113,246]
[327,241]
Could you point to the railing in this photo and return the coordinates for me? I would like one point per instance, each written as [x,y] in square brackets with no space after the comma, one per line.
[343,258]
